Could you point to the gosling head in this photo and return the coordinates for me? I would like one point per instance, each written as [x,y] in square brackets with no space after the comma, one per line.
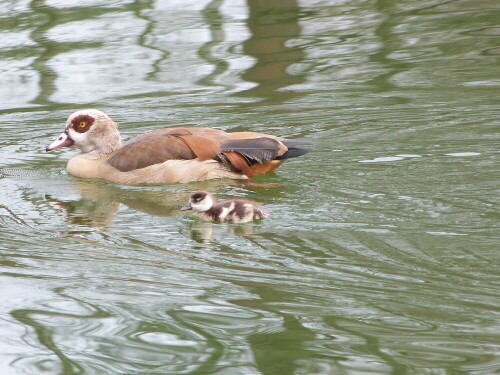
[200,201]
[91,131]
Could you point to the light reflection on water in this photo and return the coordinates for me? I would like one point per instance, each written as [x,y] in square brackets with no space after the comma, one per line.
[379,256]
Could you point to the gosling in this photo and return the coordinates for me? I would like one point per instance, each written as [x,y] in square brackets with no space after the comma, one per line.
[230,211]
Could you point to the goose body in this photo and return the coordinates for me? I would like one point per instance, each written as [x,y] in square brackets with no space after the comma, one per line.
[169,155]
[230,211]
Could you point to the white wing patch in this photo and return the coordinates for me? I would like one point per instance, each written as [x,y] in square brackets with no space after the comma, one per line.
[225,211]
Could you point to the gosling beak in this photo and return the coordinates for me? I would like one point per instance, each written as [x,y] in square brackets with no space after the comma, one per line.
[63,141]
[187,207]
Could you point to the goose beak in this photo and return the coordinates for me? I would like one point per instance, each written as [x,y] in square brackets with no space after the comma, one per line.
[63,141]
[187,207]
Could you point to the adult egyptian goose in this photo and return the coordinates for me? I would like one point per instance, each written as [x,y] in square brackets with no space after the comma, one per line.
[230,211]
[170,155]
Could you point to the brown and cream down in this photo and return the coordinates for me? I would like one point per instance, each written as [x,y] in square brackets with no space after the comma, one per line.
[230,211]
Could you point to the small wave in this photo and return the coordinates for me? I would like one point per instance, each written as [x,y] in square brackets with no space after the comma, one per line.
[463,154]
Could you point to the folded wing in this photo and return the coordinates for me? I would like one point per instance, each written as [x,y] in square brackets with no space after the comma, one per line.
[250,153]
[167,144]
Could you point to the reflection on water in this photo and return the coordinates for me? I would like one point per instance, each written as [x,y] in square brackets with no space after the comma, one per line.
[98,206]
[273,25]
[380,253]
[99,203]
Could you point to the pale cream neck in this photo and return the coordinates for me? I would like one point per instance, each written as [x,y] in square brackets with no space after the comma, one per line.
[102,151]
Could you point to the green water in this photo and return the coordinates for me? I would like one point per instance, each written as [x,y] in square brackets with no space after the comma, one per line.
[381,253]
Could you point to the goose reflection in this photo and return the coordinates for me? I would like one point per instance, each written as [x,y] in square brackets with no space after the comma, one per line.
[99,204]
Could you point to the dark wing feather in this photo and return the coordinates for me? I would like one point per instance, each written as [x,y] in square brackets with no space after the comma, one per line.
[259,150]
[294,148]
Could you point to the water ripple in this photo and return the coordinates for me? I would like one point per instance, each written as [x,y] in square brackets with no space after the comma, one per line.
[380,252]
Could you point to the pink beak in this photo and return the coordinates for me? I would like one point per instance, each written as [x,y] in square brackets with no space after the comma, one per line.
[63,141]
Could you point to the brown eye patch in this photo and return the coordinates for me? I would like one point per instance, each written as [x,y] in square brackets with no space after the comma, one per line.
[197,197]
[82,123]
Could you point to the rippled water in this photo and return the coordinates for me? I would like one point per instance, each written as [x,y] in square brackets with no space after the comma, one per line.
[381,255]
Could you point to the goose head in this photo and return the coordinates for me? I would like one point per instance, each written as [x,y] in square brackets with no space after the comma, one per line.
[91,131]
[200,201]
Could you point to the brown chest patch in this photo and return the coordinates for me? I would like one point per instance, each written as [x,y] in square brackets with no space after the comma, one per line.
[82,123]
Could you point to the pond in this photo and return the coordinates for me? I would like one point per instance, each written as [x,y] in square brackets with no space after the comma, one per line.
[381,252]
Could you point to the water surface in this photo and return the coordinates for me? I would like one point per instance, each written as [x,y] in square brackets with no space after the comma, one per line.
[381,253]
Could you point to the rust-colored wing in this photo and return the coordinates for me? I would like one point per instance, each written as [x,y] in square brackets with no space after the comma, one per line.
[167,144]
[248,152]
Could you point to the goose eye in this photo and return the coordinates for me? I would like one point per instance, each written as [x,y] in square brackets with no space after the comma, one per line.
[82,124]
